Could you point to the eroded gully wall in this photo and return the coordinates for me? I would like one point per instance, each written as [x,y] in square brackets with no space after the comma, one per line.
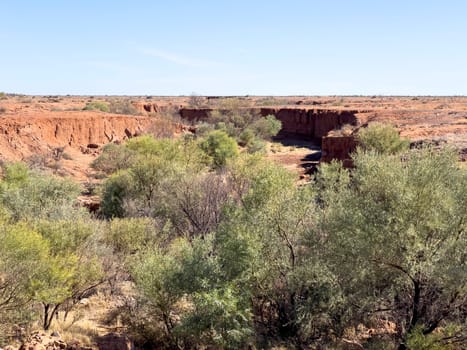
[23,136]
[314,124]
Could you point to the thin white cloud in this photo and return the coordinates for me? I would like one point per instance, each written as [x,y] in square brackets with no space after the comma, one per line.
[178,59]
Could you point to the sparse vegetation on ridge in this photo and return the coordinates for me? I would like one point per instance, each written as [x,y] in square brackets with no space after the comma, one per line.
[97,106]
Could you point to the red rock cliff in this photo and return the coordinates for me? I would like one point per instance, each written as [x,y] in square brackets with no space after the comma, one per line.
[21,136]
[310,123]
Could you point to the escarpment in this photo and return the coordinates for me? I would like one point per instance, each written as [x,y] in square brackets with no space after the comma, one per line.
[36,124]
[24,135]
[311,124]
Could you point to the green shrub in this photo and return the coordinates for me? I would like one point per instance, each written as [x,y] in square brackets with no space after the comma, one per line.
[382,138]
[257,146]
[130,234]
[115,189]
[267,127]
[113,158]
[97,106]
[419,341]
[246,138]
[220,147]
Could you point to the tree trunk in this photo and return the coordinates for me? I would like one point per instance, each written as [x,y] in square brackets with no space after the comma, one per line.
[414,317]
[49,315]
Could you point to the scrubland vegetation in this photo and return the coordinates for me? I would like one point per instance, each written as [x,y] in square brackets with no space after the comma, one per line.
[225,250]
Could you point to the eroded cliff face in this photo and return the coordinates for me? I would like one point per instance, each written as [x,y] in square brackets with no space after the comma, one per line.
[311,124]
[25,135]
[338,147]
[308,123]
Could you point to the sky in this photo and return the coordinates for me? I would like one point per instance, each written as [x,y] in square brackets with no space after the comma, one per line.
[237,47]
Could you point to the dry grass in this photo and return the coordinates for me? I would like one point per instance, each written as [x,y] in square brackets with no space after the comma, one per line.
[77,327]
[88,320]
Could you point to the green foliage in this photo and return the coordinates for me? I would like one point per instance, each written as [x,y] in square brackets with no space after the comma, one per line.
[114,191]
[257,180]
[129,235]
[148,145]
[190,273]
[15,174]
[21,251]
[147,187]
[237,254]
[438,341]
[114,158]
[65,236]
[382,138]
[220,147]
[46,254]
[246,138]
[34,196]
[395,231]
[49,265]
[220,318]
[252,136]
[244,124]
[267,127]
[97,106]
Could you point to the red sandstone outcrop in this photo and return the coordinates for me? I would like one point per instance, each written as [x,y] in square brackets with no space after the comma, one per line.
[38,124]
[335,146]
[22,136]
[146,107]
[310,123]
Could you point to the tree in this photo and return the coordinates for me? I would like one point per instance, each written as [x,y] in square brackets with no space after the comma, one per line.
[70,269]
[114,191]
[220,147]
[246,125]
[267,127]
[21,250]
[395,235]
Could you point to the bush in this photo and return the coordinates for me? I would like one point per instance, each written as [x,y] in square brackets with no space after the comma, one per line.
[130,234]
[113,158]
[220,147]
[197,101]
[382,138]
[257,146]
[246,138]
[115,189]
[97,106]
[38,196]
[267,127]
[123,107]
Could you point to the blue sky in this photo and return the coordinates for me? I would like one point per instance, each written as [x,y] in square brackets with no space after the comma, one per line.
[255,47]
